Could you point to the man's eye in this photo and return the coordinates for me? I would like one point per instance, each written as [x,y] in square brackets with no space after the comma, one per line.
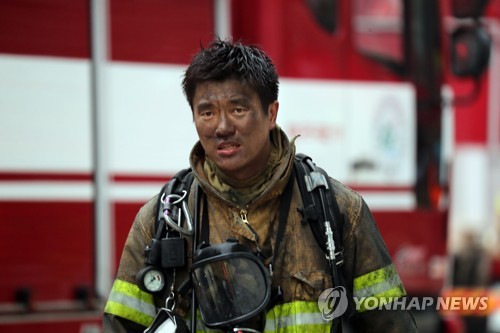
[238,110]
[206,114]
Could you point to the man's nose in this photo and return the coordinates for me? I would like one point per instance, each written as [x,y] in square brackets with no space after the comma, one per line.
[225,127]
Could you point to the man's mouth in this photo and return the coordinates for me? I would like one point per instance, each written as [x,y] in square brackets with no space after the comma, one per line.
[227,148]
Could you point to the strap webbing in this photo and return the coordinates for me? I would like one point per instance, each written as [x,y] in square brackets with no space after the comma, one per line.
[283,215]
[205,227]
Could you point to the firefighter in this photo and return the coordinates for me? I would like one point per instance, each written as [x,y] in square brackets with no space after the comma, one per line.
[243,163]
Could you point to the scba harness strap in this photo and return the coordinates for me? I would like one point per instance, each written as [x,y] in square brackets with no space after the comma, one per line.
[320,211]
[320,206]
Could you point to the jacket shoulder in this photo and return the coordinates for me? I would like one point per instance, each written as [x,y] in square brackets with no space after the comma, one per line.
[148,209]
[347,198]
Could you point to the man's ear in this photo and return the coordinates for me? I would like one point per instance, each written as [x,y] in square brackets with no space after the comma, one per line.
[272,114]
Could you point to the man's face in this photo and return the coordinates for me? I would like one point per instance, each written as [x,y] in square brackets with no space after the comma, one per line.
[232,127]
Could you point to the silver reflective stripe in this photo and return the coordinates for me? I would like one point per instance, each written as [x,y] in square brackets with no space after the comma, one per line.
[133,303]
[390,283]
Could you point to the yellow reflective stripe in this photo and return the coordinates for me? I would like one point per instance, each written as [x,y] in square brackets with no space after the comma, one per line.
[126,300]
[297,316]
[377,282]
[383,284]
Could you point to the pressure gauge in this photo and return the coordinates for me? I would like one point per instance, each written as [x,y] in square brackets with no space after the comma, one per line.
[151,279]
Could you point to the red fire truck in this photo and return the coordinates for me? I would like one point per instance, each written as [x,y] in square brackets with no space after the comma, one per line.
[399,99]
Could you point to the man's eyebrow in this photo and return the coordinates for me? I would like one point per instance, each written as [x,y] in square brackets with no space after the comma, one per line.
[202,106]
[240,101]
[207,104]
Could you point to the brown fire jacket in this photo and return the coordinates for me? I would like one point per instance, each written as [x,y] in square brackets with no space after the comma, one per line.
[300,270]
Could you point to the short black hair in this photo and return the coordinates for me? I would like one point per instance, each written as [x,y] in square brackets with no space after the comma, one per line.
[223,60]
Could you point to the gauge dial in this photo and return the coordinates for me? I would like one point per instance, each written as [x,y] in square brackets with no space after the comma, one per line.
[151,279]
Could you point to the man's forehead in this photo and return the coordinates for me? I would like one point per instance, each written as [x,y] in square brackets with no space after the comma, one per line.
[231,90]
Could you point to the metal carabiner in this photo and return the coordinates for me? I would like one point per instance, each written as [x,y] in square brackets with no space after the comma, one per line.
[170,301]
[182,210]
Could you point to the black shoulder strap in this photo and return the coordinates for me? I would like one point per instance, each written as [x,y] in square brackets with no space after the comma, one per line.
[310,179]
[321,207]
[180,182]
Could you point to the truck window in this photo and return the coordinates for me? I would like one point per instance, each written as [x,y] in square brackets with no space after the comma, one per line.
[378,30]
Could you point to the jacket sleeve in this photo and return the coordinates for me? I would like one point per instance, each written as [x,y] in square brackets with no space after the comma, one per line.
[369,272]
[128,308]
